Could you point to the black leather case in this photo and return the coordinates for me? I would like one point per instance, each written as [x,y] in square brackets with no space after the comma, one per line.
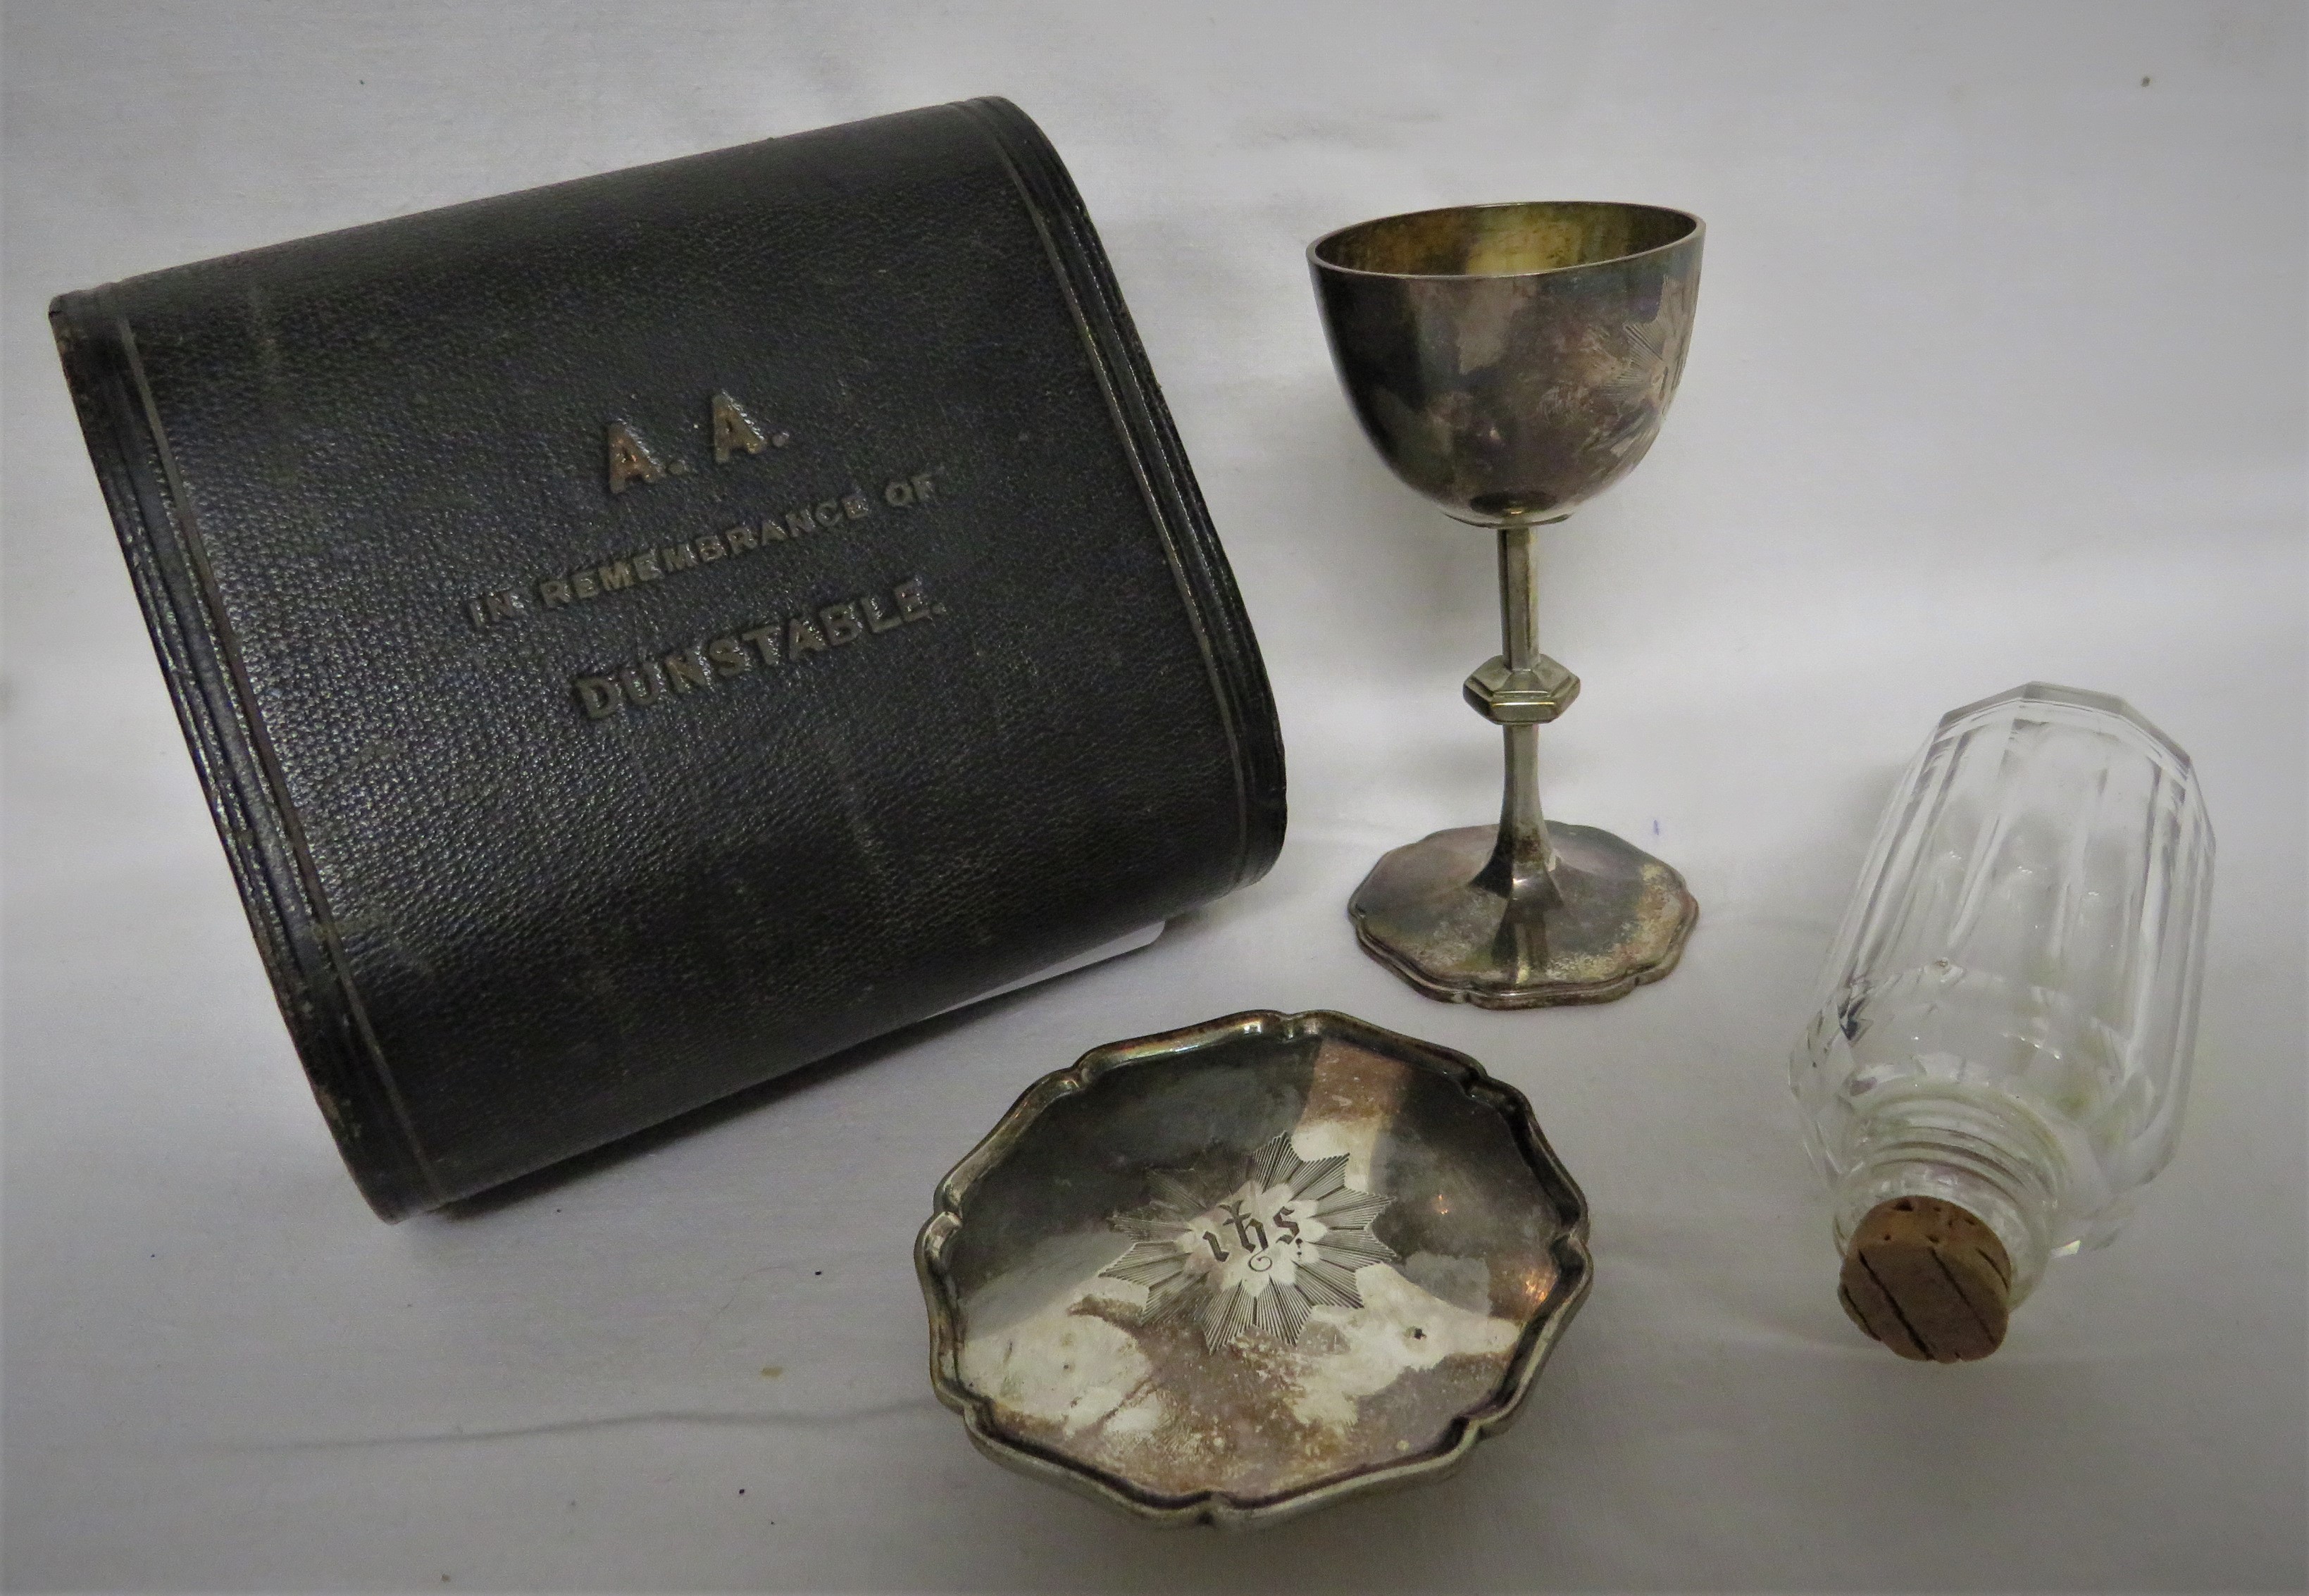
[643,635]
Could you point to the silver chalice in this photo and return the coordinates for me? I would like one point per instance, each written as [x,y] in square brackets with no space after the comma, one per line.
[1510,362]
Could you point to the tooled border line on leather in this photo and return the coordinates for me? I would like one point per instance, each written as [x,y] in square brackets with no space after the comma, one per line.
[1144,428]
[217,707]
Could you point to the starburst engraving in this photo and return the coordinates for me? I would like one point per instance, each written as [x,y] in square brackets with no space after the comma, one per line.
[1257,1258]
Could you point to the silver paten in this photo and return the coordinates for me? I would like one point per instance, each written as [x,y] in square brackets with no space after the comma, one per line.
[1232,1272]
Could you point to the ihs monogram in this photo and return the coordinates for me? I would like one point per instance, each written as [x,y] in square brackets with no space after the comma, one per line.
[1289,1235]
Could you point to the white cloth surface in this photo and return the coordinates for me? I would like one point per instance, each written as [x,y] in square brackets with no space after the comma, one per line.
[1998,376]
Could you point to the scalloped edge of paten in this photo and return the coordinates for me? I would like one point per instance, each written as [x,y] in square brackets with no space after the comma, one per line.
[1576,1273]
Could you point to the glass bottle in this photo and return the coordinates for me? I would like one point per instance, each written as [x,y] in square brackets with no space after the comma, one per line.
[2001,1046]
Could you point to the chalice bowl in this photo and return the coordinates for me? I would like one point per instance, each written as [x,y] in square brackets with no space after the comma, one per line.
[1510,362]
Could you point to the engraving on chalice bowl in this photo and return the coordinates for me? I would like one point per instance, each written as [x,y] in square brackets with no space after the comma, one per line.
[1509,362]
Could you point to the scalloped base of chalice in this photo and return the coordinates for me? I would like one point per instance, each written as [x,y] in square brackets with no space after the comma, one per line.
[1613,918]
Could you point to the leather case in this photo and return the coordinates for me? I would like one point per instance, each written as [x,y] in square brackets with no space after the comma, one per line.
[642,636]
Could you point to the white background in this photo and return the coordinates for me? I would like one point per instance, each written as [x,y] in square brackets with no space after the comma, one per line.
[1998,375]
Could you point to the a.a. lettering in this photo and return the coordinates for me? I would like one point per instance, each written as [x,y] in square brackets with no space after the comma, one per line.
[734,430]
[630,458]
[735,434]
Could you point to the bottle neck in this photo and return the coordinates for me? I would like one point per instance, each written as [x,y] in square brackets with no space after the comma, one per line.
[1992,1160]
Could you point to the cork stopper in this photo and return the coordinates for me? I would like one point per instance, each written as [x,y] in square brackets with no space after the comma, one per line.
[1928,1280]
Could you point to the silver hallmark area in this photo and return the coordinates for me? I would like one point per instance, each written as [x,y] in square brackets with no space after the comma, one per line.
[655,679]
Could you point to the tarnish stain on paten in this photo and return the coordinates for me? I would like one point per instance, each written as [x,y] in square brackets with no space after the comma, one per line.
[1065,1368]
[1251,1317]
[1087,1379]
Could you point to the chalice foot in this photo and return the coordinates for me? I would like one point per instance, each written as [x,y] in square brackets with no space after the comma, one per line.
[1606,919]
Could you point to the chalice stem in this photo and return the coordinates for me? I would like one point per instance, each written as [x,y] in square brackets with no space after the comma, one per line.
[1522,866]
